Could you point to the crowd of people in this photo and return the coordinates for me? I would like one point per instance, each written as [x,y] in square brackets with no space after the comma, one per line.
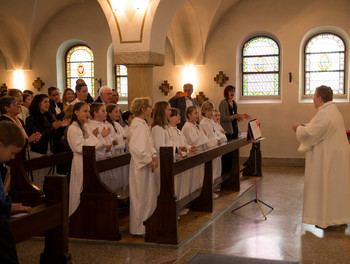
[51,124]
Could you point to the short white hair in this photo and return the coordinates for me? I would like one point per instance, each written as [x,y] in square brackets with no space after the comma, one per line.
[103,89]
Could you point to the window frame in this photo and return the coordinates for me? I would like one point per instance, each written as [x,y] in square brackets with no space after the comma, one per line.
[116,81]
[92,92]
[335,96]
[260,97]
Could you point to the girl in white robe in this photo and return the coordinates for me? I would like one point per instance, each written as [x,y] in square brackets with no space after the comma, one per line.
[142,181]
[208,126]
[107,137]
[127,118]
[121,173]
[78,137]
[160,130]
[195,136]
[182,180]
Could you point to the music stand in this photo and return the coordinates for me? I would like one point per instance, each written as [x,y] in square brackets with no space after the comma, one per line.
[254,134]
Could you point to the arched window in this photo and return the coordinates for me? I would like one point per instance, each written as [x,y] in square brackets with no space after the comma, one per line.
[80,65]
[121,76]
[324,63]
[260,67]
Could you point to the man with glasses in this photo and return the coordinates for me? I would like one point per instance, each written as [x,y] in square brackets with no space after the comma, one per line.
[56,107]
[105,95]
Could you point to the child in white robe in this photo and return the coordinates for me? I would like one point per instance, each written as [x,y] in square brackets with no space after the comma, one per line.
[160,130]
[144,161]
[127,117]
[121,173]
[107,137]
[219,131]
[208,126]
[182,180]
[195,136]
[78,137]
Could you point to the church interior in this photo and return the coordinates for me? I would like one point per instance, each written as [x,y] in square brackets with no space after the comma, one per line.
[176,42]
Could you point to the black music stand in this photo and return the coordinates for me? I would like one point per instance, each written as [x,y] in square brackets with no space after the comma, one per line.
[254,134]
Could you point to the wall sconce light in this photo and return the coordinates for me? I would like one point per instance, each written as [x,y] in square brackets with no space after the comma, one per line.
[118,5]
[189,75]
[18,79]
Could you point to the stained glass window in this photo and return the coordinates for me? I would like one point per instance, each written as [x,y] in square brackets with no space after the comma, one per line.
[325,63]
[121,75]
[260,67]
[80,65]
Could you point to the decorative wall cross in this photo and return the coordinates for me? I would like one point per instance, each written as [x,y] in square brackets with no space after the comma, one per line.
[3,87]
[165,87]
[221,78]
[201,98]
[38,84]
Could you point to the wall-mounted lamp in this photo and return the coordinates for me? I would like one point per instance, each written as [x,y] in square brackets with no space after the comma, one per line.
[18,79]
[189,75]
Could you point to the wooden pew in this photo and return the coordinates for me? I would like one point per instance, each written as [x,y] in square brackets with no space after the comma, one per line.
[97,216]
[162,226]
[22,189]
[50,218]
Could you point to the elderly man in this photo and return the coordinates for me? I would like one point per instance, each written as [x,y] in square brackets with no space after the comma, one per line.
[327,164]
[182,102]
[105,95]
[81,91]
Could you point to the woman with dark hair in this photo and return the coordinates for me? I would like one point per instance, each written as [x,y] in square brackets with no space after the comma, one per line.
[40,121]
[229,114]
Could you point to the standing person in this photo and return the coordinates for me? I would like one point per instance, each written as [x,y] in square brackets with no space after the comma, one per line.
[229,121]
[18,94]
[27,99]
[67,97]
[41,121]
[160,130]
[89,99]
[144,161]
[195,136]
[11,142]
[219,131]
[208,126]
[56,107]
[182,102]
[78,137]
[327,166]
[105,95]
[81,90]
[115,100]
[229,113]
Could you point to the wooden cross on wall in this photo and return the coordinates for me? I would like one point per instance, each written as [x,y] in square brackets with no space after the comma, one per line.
[201,98]
[3,87]
[165,87]
[221,78]
[38,84]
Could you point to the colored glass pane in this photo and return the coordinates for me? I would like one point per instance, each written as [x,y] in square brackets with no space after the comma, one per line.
[80,65]
[121,72]
[325,63]
[260,67]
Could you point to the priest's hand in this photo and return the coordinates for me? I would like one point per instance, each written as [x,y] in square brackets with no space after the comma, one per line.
[155,161]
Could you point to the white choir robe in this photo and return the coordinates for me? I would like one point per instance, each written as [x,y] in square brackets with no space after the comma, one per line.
[182,180]
[122,173]
[327,168]
[220,135]
[208,127]
[126,137]
[142,181]
[76,142]
[107,177]
[195,136]
[161,138]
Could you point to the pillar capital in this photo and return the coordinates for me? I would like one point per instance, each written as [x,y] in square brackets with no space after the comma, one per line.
[139,58]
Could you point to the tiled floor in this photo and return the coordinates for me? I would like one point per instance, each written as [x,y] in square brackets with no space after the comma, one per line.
[242,233]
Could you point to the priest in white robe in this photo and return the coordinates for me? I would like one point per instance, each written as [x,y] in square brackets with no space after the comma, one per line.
[327,164]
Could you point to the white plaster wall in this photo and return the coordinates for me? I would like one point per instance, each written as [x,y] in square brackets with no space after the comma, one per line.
[84,21]
[289,21]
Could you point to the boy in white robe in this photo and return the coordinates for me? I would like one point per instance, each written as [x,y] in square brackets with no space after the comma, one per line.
[327,166]
[142,180]
[208,126]
[219,130]
[195,136]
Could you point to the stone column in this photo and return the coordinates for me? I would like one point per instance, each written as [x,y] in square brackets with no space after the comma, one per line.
[140,71]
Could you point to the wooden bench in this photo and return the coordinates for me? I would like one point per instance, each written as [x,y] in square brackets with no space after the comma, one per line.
[97,216]
[49,218]
[22,189]
[162,226]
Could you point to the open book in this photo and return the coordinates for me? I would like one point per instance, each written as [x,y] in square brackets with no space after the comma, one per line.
[254,131]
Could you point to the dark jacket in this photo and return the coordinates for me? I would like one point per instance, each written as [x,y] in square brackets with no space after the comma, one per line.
[52,110]
[180,103]
[5,204]
[38,122]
